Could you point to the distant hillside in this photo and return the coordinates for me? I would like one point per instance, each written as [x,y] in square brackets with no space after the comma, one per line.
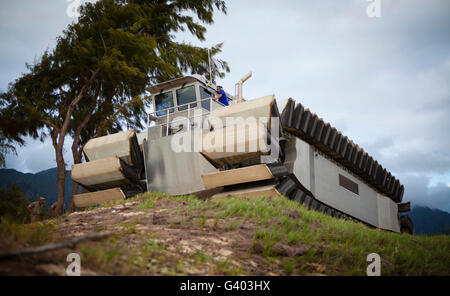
[39,184]
[430,221]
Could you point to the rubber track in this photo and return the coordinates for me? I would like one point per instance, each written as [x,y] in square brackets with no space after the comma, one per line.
[406,224]
[300,122]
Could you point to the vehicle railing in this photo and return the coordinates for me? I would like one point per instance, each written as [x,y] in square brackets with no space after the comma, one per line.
[154,117]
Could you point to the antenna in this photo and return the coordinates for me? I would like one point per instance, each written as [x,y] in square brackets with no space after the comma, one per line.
[209,65]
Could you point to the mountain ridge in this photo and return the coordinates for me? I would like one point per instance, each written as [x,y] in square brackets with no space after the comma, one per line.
[34,185]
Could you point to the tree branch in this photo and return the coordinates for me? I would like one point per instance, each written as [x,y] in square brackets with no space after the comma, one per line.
[76,136]
[104,122]
[54,246]
[47,122]
[75,101]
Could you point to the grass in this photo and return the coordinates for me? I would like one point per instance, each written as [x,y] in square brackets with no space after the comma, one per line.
[146,205]
[328,245]
[227,268]
[17,234]
[100,256]
[341,245]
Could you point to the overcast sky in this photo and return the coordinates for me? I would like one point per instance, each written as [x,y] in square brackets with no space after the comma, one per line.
[383,82]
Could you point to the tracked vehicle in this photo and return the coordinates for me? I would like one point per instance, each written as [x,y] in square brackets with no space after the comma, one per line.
[259,147]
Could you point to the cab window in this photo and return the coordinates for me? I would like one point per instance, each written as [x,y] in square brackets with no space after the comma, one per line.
[186,95]
[164,101]
[204,94]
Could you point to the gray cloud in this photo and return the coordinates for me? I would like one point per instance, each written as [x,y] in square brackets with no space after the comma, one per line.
[383,82]
[419,193]
[27,28]
[37,156]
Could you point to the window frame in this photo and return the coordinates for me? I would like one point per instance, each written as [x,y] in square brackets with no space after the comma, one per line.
[196,92]
[173,101]
[175,106]
[200,96]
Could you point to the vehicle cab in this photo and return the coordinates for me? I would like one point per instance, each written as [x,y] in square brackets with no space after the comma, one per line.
[177,102]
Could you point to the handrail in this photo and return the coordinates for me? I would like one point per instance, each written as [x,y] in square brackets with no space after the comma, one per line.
[168,113]
[182,105]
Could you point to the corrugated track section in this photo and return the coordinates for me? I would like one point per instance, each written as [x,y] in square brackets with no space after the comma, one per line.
[299,121]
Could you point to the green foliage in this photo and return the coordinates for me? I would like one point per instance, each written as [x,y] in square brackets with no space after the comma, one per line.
[102,255]
[5,148]
[14,234]
[146,204]
[13,205]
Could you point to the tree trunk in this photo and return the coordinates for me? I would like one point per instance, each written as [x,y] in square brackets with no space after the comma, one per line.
[58,136]
[58,144]
[72,204]
[76,159]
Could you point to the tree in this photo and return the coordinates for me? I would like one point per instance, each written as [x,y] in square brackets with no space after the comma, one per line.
[99,69]
[5,144]
[13,204]
[5,148]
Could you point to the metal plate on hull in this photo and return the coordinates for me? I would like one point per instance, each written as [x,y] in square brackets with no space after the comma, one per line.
[175,172]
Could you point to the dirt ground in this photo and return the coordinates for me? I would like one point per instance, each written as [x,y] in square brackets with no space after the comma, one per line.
[156,240]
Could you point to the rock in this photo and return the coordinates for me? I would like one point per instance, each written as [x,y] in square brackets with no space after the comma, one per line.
[51,269]
[175,220]
[193,271]
[130,204]
[300,250]
[225,252]
[257,248]
[141,227]
[131,214]
[289,251]
[280,250]
[253,263]
[210,223]
[88,272]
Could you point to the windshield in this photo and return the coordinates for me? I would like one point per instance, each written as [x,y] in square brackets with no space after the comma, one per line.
[186,95]
[163,101]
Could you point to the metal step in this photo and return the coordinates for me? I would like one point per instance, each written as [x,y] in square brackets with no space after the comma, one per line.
[237,176]
[96,198]
[104,173]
